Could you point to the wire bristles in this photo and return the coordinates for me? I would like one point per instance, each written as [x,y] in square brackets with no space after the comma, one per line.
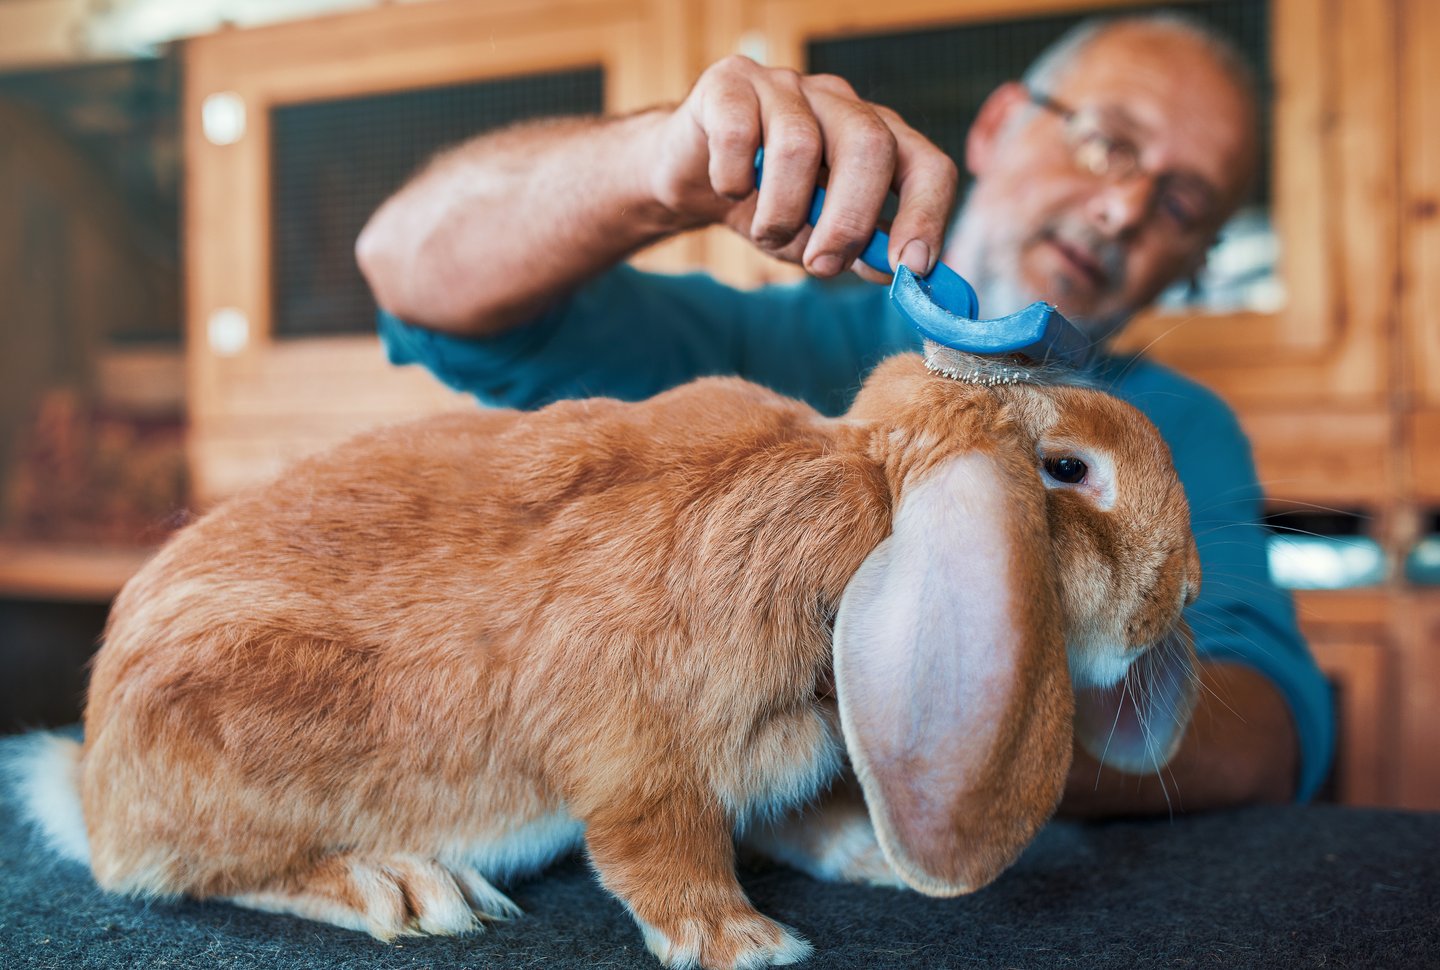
[959,365]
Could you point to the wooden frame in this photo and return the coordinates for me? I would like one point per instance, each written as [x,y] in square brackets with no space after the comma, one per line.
[1356,668]
[1420,211]
[41,33]
[1352,637]
[259,404]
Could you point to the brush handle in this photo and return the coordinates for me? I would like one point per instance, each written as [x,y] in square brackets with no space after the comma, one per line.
[876,252]
[942,286]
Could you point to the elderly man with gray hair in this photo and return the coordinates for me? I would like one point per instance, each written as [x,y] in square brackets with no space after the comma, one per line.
[1100,179]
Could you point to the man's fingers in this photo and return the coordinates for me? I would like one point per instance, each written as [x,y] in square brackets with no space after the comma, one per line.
[861,152]
[806,123]
[730,116]
[925,180]
[793,153]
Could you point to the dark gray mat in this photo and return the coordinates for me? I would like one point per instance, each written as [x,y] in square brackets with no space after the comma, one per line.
[1275,887]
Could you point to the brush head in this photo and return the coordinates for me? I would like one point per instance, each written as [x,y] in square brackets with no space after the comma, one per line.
[1005,350]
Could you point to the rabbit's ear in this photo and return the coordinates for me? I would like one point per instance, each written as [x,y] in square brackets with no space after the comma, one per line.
[1136,724]
[951,673]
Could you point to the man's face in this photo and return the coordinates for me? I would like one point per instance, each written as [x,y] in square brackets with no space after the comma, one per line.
[1041,225]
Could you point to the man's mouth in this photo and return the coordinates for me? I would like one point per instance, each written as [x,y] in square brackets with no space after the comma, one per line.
[1086,266]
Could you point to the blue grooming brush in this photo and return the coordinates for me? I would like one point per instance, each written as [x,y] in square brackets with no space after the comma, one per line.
[943,307]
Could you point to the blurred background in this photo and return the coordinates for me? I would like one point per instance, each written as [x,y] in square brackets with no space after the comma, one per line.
[181,183]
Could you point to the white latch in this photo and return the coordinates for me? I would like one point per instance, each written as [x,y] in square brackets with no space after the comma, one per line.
[229,331]
[222,118]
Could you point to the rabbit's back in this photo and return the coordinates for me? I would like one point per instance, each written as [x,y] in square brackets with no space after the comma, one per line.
[477,620]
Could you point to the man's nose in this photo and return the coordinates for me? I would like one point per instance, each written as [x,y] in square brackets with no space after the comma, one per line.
[1120,208]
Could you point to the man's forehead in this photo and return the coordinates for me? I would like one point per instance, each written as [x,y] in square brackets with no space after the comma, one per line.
[1170,90]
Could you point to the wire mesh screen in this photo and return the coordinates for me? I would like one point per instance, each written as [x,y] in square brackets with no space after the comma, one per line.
[937,79]
[334,162]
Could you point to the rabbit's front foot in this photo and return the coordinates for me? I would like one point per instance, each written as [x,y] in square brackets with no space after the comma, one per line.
[672,862]
[831,839]
[744,940]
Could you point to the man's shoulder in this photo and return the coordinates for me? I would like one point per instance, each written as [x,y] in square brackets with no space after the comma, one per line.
[1165,395]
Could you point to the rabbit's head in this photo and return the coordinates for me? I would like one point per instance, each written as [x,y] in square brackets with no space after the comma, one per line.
[1039,558]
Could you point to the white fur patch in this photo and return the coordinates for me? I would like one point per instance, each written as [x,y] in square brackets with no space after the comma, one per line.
[1098,663]
[521,851]
[486,900]
[684,953]
[792,949]
[43,774]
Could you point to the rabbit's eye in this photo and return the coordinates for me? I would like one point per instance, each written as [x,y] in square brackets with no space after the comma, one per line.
[1069,470]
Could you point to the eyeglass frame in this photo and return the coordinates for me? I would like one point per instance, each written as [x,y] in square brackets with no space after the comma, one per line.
[1186,227]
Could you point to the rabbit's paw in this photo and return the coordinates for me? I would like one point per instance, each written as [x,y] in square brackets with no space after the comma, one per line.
[833,841]
[741,941]
[853,854]
[387,896]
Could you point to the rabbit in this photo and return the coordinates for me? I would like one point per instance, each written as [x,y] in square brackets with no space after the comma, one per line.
[445,653]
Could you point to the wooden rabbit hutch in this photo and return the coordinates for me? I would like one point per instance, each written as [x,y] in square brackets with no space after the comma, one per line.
[1338,383]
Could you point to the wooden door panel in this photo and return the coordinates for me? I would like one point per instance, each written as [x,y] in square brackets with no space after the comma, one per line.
[239,371]
[1420,203]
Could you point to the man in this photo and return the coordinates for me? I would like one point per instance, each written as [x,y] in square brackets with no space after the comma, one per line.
[1097,182]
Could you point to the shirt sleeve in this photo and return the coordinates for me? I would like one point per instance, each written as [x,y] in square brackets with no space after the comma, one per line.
[629,335]
[1240,615]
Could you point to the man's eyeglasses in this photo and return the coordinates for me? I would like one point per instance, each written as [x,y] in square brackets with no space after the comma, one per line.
[1097,149]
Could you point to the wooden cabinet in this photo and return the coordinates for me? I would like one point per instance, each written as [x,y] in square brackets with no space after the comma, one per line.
[258,401]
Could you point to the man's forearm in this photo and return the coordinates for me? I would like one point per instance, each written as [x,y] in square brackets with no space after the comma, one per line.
[1240,748]
[491,232]
[498,229]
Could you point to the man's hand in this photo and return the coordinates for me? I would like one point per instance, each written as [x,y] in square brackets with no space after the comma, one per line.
[706,154]
[1240,749]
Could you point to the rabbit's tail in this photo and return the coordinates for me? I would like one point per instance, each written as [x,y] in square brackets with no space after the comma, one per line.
[43,773]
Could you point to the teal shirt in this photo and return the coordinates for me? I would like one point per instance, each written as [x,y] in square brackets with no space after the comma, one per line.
[630,335]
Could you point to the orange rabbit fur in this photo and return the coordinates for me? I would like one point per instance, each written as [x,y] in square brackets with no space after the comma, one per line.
[443,653]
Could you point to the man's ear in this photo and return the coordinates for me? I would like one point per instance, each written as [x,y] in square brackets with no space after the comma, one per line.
[984,137]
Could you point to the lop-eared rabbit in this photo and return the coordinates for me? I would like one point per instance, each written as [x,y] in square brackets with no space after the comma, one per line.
[444,653]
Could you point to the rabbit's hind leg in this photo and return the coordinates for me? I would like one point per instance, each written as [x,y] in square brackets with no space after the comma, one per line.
[386,896]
